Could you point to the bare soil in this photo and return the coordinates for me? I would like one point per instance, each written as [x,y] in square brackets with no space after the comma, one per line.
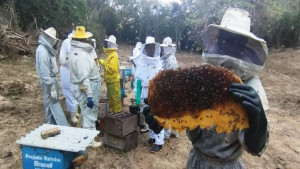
[22,111]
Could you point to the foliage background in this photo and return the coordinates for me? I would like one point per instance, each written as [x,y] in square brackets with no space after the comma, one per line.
[276,21]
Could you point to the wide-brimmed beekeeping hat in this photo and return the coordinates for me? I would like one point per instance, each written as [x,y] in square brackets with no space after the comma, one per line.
[80,33]
[236,21]
[167,42]
[50,32]
[112,39]
[150,40]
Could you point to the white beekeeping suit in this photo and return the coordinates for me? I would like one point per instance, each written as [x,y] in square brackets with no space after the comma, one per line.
[46,69]
[136,57]
[147,68]
[168,57]
[169,61]
[65,77]
[85,79]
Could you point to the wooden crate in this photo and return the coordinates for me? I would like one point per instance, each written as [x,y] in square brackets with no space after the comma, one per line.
[123,144]
[120,124]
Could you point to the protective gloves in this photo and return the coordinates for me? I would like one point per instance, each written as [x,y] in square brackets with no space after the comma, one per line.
[134,109]
[146,100]
[102,61]
[53,93]
[150,120]
[256,134]
[90,102]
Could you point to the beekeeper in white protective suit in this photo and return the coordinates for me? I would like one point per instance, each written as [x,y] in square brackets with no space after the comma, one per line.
[46,69]
[85,78]
[168,54]
[148,67]
[234,47]
[169,61]
[72,105]
[135,58]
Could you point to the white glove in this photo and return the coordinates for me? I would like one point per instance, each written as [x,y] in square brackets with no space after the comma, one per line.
[53,92]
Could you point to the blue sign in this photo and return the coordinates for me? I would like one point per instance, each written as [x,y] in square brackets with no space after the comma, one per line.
[43,158]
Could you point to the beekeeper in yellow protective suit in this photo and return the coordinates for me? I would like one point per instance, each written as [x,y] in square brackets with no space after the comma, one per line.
[111,74]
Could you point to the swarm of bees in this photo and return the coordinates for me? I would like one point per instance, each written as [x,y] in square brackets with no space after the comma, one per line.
[196,96]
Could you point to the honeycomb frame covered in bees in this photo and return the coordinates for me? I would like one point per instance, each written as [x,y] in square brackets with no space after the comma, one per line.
[196,96]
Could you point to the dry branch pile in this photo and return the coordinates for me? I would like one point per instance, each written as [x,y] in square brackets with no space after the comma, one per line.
[12,40]
[16,42]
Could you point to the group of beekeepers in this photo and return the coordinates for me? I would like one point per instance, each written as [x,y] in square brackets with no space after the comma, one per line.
[79,74]
[230,44]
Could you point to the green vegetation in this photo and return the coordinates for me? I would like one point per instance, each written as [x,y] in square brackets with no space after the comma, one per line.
[276,21]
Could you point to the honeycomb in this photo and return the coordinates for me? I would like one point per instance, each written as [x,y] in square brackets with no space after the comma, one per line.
[196,96]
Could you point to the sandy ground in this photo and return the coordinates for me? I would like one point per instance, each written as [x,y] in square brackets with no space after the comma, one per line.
[22,111]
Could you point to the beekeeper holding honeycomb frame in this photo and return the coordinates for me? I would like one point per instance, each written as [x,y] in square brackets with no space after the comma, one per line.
[234,47]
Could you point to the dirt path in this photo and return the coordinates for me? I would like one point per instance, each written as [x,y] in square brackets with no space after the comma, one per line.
[21,112]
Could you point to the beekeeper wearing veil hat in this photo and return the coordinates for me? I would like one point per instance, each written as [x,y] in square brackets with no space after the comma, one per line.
[111,74]
[234,47]
[85,78]
[168,54]
[135,58]
[46,68]
[148,67]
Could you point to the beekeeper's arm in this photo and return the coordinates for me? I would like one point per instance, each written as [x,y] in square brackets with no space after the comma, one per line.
[112,64]
[256,137]
[44,67]
[150,120]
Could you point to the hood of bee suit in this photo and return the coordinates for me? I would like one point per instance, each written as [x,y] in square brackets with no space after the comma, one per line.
[244,70]
[168,51]
[48,42]
[84,47]
[156,53]
[136,51]
[139,45]
[68,42]
[151,60]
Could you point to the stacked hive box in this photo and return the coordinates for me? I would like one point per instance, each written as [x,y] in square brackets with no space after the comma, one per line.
[120,132]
